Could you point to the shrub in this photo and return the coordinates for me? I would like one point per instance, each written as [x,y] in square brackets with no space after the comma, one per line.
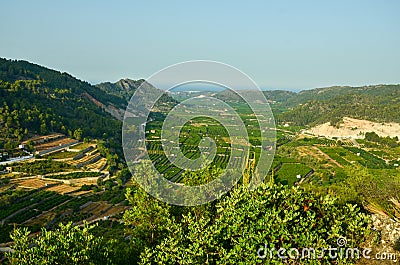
[66,245]
[271,216]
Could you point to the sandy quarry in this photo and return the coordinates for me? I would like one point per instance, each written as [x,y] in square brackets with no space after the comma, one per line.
[353,128]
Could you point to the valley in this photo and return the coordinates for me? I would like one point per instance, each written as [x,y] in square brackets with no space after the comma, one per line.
[65,164]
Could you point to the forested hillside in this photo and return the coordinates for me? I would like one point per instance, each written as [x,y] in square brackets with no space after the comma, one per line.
[37,100]
[13,70]
[328,93]
[375,103]
[380,103]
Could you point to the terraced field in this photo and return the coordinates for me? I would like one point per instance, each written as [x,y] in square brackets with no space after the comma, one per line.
[34,183]
[53,144]
[63,189]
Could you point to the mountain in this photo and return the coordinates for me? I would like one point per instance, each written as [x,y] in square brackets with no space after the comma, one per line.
[279,96]
[38,100]
[123,88]
[273,96]
[14,70]
[327,93]
[380,103]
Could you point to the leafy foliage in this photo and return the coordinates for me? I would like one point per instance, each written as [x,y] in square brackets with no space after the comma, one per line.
[273,215]
[43,167]
[374,191]
[385,141]
[66,245]
[148,216]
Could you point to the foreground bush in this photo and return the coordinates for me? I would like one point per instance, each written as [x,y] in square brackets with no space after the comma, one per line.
[269,217]
[66,245]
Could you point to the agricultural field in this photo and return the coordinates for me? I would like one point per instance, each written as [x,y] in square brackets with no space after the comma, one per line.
[193,132]
[36,208]
[76,175]
[33,183]
[41,148]
[189,139]
[62,155]
[324,161]
[63,189]
[51,187]
[291,173]
[42,167]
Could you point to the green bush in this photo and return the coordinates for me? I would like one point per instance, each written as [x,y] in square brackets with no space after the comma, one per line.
[66,245]
[271,216]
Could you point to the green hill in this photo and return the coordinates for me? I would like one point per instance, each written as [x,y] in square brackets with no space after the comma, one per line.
[328,93]
[38,100]
[376,103]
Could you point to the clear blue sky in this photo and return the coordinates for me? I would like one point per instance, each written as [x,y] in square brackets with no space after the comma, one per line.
[280,44]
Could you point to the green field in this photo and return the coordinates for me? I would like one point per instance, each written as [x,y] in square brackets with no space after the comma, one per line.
[287,174]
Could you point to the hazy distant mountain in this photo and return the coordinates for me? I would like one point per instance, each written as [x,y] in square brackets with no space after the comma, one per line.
[334,91]
[279,95]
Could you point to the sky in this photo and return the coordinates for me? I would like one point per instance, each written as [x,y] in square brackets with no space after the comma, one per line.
[279,44]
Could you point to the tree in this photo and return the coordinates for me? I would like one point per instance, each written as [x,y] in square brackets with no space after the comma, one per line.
[66,245]
[43,128]
[108,184]
[372,136]
[78,134]
[30,146]
[100,182]
[149,219]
